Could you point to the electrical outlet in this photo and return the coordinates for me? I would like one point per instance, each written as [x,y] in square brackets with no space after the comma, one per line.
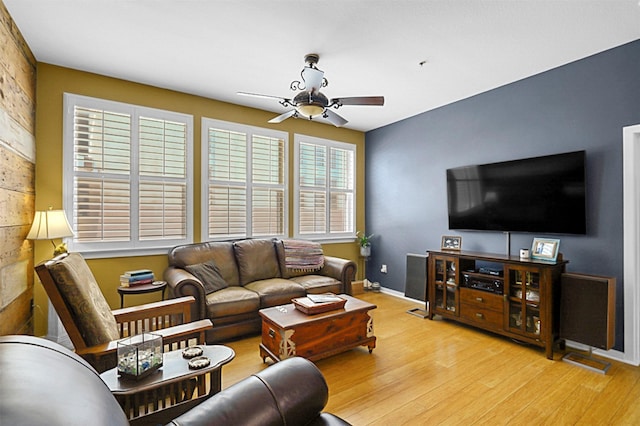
[383,269]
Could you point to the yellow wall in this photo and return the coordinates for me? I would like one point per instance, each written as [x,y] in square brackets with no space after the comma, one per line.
[53,81]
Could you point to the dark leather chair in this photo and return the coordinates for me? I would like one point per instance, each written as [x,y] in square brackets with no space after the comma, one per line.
[41,382]
[291,392]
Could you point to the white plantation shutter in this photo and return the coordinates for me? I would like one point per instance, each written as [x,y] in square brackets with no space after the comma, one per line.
[163,171]
[312,176]
[227,212]
[227,193]
[101,187]
[129,175]
[246,186]
[325,188]
[313,212]
[101,210]
[162,209]
[267,198]
[342,181]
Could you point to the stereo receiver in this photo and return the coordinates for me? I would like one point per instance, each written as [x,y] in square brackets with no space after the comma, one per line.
[485,284]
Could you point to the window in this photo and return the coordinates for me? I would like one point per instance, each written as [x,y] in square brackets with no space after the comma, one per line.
[126,176]
[244,194]
[325,188]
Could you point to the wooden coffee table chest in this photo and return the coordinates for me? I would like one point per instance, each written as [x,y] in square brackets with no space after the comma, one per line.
[287,332]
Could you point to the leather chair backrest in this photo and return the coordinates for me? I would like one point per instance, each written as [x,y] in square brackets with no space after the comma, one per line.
[291,392]
[298,387]
[43,383]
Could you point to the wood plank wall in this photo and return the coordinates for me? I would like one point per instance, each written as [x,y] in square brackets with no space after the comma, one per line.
[17,177]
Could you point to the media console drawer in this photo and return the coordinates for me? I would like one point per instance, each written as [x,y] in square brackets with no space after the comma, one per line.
[481,299]
[487,318]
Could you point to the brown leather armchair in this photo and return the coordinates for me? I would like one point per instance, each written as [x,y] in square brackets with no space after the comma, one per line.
[291,392]
[94,328]
[41,382]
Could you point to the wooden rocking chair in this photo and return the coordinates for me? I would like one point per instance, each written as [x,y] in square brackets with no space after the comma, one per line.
[94,328]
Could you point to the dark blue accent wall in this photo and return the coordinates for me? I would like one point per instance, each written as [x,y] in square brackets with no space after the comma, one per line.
[582,105]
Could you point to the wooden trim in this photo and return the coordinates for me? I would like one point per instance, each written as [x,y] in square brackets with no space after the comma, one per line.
[631,243]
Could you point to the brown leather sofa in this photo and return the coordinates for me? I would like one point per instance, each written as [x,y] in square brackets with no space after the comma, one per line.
[243,277]
[41,382]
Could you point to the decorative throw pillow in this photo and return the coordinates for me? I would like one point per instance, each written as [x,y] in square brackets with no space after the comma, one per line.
[209,274]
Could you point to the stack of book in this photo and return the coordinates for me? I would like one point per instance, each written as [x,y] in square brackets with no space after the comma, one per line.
[137,277]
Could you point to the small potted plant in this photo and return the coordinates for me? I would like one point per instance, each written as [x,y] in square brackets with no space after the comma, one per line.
[364,241]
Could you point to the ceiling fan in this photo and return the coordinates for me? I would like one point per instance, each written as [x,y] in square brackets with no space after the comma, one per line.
[310,102]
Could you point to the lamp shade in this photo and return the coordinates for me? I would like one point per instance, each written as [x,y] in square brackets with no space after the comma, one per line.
[49,224]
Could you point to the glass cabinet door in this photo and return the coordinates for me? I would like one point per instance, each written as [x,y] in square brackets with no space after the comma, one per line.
[446,283]
[523,307]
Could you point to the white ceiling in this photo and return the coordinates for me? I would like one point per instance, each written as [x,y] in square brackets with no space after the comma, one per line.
[215,48]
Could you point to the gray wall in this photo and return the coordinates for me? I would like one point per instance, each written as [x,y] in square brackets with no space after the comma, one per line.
[580,106]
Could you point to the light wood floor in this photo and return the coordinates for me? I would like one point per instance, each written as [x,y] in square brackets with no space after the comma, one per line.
[437,372]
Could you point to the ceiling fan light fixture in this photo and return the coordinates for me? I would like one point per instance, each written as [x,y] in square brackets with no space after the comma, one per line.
[310,110]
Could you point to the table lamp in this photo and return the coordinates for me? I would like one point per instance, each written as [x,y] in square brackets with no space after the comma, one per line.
[49,225]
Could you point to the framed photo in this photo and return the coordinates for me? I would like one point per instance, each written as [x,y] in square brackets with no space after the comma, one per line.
[451,243]
[545,249]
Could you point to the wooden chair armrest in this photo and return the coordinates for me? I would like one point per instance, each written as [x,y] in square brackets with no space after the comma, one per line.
[181,305]
[176,334]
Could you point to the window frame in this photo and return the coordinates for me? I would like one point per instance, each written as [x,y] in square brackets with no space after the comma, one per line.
[135,246]
[328,236]
[250,131]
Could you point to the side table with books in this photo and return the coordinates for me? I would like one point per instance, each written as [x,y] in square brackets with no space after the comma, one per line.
[140,281]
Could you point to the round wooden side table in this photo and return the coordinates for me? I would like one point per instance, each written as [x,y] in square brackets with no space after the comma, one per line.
[141,289]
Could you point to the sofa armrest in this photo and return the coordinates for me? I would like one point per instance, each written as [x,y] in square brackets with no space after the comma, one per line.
[343,270]
[182,283]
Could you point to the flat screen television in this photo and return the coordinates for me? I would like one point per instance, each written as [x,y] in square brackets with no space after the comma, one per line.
[542,194]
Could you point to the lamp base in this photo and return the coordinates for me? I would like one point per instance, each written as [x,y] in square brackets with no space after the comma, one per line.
[59,249]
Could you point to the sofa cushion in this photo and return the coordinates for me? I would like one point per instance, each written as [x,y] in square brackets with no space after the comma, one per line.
[231,301]
[257,260]
[221,252]
[319,284]
[209,275]
[276,291]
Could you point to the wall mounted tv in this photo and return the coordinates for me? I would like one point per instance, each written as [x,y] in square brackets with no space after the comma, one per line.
[541,194]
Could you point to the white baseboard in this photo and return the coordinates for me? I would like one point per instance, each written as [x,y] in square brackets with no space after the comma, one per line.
[396,293]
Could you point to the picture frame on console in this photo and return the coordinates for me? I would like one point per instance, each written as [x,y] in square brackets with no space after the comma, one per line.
[545,249]
[450,242]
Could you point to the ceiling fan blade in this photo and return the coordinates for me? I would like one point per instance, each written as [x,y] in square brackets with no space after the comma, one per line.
[257,95]
[359,100]
[282,117]
[313,78]
[334,118]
